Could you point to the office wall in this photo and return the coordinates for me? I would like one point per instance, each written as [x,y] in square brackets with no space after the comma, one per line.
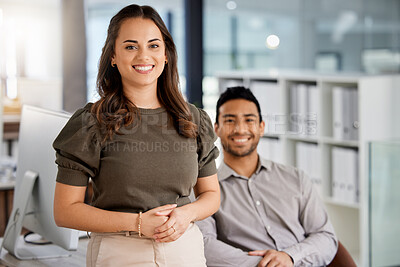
[31,50]
[306,29]
[31,38]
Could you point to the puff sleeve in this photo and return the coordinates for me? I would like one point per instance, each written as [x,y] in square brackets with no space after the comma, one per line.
[206,150]
[78,149]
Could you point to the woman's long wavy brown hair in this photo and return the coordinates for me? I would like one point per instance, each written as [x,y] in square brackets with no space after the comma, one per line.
[114,110]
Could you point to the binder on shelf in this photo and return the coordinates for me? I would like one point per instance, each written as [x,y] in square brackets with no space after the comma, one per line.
[269,96]
[345,186]
[308,160]
[351,167]
[302,104]
[355,122]
[277,148]
[270,148]
[337,174]
[301,157]
[264,148]
[312,112]
[293,110]
[315,170]
[345,113]
[337,112]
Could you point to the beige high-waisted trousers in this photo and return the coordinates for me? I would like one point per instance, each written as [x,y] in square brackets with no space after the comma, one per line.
[117,249]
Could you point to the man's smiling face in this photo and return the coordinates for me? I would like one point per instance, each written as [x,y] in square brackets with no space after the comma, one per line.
[239,127]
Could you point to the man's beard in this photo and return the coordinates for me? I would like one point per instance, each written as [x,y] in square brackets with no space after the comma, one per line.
[227,149]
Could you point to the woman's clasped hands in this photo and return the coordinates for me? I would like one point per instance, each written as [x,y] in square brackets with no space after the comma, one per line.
[166,223]
[154,218]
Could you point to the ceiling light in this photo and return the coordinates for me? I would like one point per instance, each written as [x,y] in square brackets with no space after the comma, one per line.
[272,41]
[231,5]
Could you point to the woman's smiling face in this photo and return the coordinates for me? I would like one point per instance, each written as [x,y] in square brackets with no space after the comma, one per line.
[139,53]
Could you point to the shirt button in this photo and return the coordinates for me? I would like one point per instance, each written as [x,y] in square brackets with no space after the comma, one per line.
[258,203]
[268,227]
[250,180]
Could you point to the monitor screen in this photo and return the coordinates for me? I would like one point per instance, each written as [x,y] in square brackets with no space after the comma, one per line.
[36,158]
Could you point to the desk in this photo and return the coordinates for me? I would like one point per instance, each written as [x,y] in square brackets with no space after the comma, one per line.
[6,201]
[78,258]
[7,185]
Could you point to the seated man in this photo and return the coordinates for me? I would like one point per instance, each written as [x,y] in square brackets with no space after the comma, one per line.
[270,214]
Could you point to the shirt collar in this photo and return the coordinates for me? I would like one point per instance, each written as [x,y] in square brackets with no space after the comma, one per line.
[224,171]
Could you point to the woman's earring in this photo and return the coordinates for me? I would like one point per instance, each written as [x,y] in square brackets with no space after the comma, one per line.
[166,62]
[113,65]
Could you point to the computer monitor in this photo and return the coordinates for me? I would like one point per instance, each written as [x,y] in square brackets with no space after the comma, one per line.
[34,189]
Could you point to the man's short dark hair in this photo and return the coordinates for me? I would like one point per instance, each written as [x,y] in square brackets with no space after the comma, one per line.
[237,92]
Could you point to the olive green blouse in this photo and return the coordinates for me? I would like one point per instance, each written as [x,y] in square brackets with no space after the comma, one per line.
[147,166]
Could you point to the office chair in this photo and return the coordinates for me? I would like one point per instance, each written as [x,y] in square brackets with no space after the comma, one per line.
[342,258]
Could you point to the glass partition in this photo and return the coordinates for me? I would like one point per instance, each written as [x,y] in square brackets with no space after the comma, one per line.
[384,203]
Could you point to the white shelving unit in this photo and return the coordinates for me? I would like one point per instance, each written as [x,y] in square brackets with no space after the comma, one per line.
[378,115]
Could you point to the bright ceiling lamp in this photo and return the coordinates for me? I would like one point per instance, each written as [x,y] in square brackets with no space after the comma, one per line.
[231,5]
[272,41]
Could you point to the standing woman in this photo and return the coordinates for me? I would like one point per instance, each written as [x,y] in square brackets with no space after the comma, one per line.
[144,148]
